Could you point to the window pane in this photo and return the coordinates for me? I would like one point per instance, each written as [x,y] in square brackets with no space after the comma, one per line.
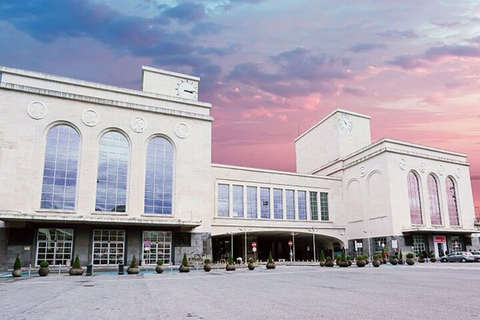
[278,203]
[265,203]
[223,200]
[324,206]
[238,201]
[302,205]
[252,202]
[433,198]
[62,148]
[290,203]
[314,205]
[452,202]
[414,198]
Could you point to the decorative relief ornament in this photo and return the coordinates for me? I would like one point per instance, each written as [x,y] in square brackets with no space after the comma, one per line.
[422,166]
[37,110]
[90,117]
[402,164]
[362,171]
[182,131]
[458,173]
[138,124]
[441,169]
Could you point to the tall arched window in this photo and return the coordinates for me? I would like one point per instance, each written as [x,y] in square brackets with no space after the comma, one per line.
[159,176]
[60,169]
[452,202]
[112,172]
[435,216]
[414,197]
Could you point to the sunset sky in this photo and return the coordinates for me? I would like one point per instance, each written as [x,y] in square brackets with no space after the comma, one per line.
[271,69]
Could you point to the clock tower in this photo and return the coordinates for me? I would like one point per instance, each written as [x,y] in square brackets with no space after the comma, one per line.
[170,83]
[337,135]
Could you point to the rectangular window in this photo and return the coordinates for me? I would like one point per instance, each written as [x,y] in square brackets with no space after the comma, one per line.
[223,200]
[238,201]
[290,202]
[302,205]
[265,203]
[54,246]
[278,203]
[379,243]
[157,245]
[108,247]
[252,202]
[358,246]
[314,205]
[418,244]
[324,206]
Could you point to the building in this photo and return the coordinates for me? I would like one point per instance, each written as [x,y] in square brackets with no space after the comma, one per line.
[106,173]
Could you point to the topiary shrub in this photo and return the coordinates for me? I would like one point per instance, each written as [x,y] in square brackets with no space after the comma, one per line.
[322,255]
[251,260]
[270,257]
[17,265]
[410,255]
[134,263]
[76,263]
[185,260]
[159,262]
[44,264]
[207,261]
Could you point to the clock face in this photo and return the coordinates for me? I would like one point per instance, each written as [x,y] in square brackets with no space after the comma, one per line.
[344,123]
[187,90]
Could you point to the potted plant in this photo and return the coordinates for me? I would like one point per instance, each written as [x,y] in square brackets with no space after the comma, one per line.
[76,269]
[393,259]
[361,261]
[251,264]
[270,263]
[421,258]
[159,268]
[410,260]
[329,262]
[208,265]
[376,260]
[322,259]
[231,264]
[400,257]
[17,267]
[184,266]
[133,268]
[342,260]
[349,259]
[432,257]
[44,270]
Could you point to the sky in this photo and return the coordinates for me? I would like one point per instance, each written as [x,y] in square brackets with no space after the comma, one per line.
[271,69]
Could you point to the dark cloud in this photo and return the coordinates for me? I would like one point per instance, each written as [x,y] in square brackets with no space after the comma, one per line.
[364,47]
[206,28]
[219,51]
[408,62]
[186,11]
[398,34]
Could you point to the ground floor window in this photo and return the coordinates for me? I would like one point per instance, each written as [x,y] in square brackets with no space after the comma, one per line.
[108,247]
[456,244]
[54,246]
[379,243]
[160,246]
[358,246]
[418,244]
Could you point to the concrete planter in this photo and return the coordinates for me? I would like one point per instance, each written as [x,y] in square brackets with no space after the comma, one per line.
[207,267]
[17,273]
[230,267]
[361,263]
[183,268]
[75,271]
[158,269]
[271,265]
[43,271]
[132,270]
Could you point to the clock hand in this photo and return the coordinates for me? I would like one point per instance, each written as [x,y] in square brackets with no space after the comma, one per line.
[189,91]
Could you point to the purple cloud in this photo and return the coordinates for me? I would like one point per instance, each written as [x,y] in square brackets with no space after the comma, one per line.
[364,47]
[398,34]
[186,11]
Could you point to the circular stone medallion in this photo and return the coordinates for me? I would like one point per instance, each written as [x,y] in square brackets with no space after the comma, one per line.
[90,117]
[138,124]
[182,130]
[36,110]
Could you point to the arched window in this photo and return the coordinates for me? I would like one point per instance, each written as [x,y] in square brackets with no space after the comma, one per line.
[60,169]
[159,176]
[414,197]
[452,202]
[112,172]
[435,216]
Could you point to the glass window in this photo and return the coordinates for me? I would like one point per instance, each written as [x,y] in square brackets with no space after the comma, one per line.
[112,173]
[238,201]
[159,177]
[414,198]
[54,246]
[265,203]
[456,244]
[252,202]
[379,243]
[302,205]
[60,169]
[278,203]
[433,198]
[223,200]
[290,204]
[324,206]
[418,244]
[452,202]
[108,247]
[314,205]
[160,247]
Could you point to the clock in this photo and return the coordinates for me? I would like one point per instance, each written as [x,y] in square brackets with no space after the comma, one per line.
[344,123]
[187,90]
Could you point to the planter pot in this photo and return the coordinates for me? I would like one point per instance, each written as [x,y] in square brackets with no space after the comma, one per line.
[251,266]
[270,265]
[230,267]
[207,267]
[393,262]
[75,271]
[401,261]
[131,270]
[361,263]
[322,263]
[433,259]
[421,260]
[159,269]
[17,273]
[183,268]
[43,271]
[329,264]
[343,264]
[376,263]
[410,262]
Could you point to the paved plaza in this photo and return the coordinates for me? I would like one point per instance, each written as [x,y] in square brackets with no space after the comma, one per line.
[427,291]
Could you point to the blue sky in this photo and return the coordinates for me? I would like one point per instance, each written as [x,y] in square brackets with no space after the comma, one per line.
[271,69]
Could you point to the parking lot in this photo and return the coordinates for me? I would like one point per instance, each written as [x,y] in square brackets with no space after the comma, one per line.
[422,291]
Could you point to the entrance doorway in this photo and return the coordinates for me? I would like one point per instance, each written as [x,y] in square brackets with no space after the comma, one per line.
[440,245]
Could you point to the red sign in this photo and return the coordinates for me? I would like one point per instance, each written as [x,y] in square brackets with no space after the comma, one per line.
[290,243]
[439,239]
[254,244]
